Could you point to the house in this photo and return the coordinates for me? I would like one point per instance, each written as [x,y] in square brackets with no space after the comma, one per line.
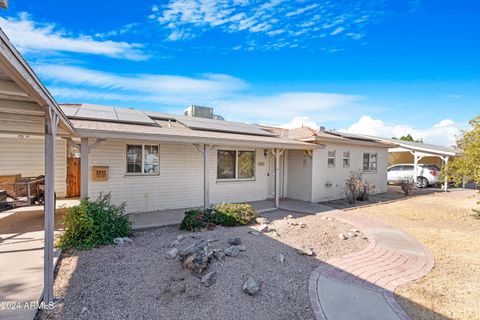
[155,161]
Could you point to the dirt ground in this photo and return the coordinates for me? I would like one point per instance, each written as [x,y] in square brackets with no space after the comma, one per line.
[446,224]
[137,281]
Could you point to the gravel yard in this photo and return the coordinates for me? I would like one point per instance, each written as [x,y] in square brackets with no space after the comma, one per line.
[138,281]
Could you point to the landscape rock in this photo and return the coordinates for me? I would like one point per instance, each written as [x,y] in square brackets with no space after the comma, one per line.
[181,237]
[200,244]
[303,225]
[263,228]
[341,236]
[218,254]
[234,241]
[209,279]
[242,247]
[293,223]
[354,230]
[232,251]
[261,220]
[197,261]
[174,243]
[122,240]
[289,216]
[172,253]
[254,233]
[306,251]
[251,286]
[351,234]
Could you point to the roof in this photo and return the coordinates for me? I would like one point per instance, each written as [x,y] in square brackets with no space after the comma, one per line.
[420,146]
[307,134]
[162,132]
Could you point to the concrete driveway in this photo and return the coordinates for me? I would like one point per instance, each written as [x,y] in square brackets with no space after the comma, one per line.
[21,262]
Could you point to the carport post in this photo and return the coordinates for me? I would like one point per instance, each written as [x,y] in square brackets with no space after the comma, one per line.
[445,187]
[278,153]
[84,149]
[415,172]
[51,122]
[206,178]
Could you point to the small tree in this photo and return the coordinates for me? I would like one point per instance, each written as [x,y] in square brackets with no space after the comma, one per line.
[353,186]
[467,166]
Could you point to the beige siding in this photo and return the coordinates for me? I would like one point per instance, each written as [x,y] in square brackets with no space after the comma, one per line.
[335,176]
[299,175]
[238,191]
[179,184]
[27,157]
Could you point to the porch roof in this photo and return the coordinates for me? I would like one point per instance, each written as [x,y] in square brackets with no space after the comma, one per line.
[174,133]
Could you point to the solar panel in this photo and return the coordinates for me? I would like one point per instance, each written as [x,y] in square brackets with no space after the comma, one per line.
[131,115]
[69,111]
[106,113]
[223,126]
[96,113]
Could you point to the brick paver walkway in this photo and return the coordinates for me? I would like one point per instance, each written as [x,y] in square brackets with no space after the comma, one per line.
[361,285]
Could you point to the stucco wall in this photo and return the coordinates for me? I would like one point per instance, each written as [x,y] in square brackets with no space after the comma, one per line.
[179,184]
[322,174]
[27,157]
[299,175]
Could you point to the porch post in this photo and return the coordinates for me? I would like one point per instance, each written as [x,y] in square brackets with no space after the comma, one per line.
[445,187]
[277,178]
[84,149]
[206,178]
[415,171]
[51,122]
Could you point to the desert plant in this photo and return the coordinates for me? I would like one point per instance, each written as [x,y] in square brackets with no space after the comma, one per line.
[94,223]
[406,185]
[365,191]
[225,214]
[353,186]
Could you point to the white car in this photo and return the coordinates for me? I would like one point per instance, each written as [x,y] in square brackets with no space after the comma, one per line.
[427,174]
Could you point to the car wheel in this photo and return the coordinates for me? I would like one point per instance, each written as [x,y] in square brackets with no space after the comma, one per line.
[422,182]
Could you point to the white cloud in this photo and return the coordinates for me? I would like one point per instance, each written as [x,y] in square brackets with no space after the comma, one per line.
[228,95]
[29,36]
[186,19]
[299,122]
[443,133]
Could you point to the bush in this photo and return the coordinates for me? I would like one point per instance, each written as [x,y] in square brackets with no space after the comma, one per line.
[353,186]
[225,214]
[407,186]
[94,223]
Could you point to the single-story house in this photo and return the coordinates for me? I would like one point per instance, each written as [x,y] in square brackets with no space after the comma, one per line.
[155,161]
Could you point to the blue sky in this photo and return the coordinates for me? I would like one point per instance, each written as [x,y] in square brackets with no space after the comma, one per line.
[379,67]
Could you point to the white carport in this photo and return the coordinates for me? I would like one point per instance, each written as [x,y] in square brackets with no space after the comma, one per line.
[421,150]
[27,108]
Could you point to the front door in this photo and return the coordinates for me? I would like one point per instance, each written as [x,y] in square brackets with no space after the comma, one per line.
[271,175]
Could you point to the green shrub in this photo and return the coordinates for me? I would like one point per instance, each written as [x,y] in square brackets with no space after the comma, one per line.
[94,223]
[227,215]
[241,213]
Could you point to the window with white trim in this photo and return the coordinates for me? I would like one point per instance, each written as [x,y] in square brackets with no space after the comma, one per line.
[370,161]
[346,159]
[142,159]
[331,158]
[235,165]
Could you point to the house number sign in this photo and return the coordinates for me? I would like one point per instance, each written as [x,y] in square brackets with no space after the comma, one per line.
[100,173]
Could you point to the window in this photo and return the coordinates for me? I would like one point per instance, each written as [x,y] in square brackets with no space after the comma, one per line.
[235,164]
[142,159]
[346,159]
[331,158]
[370,161]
